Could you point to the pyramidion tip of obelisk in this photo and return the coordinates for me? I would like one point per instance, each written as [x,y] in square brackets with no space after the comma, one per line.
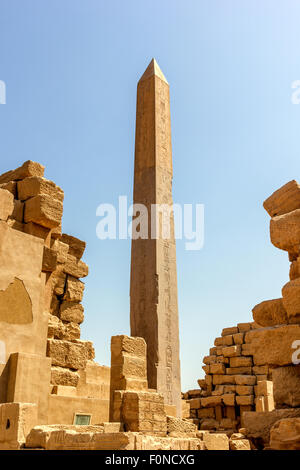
[153,69]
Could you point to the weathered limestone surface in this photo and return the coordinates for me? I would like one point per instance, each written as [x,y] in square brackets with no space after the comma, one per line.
[35,185]
[6,204]
[153,288]
[285,199]
[96,438]
[291,300]
[286,381]
[270,313]
[258,424]
[16,421]
[285,231]
[285,434]
[272,346]
[28,168]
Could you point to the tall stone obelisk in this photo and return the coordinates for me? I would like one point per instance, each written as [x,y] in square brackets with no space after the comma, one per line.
[153,285]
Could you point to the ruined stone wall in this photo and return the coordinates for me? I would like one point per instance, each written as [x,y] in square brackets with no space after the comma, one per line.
[255,366]
[30,204]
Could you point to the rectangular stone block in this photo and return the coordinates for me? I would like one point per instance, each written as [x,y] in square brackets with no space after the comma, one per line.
[206,413]
[228,399]
[217,368]
[35,185]
[242,327]
[73,290]
[71,312]
[6,204]
[242,361]
[28,168]
[265,388]
[231,351]
[223,379]
[16,421]
[238,338]
[285,199]
[67,354]
[230,331]
[38,231]
[43,210]
[243,400]
[211,401]
[239,370]
[76,246]
[286,384]
[244,389]
[75,267]
[28,381]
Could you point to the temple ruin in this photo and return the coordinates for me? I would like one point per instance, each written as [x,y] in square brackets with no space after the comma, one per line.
[54,396]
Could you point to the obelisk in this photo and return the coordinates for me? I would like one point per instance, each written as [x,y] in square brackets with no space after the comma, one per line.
[153,284]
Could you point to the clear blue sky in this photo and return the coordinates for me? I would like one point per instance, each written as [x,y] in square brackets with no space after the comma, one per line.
[71,69]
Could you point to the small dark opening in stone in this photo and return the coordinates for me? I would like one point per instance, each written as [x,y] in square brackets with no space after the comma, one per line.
[8,424]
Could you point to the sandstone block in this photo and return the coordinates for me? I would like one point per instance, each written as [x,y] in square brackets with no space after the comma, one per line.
[217,368]
[43,210]
[211,401]
[295,269]
[243,327]
[230,331]
[61,250]
[18,212]
[195,403]
[67,354]
[244,389]
[74,290]
[28,168]
[242,361]
[76,246]
[218,341]
[206,413]
[291,300]
[260,370]
[38,231]
[228,399]
[223,379]
[49,260]
[6,204]
[286,383]
[238,338]
[65,377]
[231,351]
[270,313]
[35,185]
[259,424]
[71,312]
[272,346]
[264,388]
[216,441]
[209,360]
[75,267]
[239,370]
[209,424]
[240,444]
[244,400]
[284,200]
[285,231]
[11,187]
[285,434]
[16,421]
[177,426]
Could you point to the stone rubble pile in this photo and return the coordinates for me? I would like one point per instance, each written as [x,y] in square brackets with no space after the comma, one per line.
[256,365]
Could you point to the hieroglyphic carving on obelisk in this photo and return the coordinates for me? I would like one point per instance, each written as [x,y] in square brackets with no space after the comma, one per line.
[153,286]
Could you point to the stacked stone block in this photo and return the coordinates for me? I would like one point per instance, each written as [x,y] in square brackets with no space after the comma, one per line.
[33,204]
[229,387]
